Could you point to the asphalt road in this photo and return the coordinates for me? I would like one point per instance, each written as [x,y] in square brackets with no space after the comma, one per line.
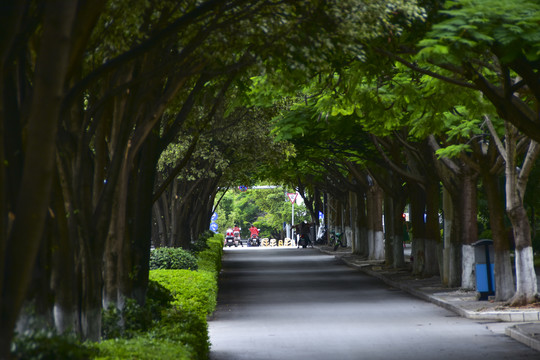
[283,303]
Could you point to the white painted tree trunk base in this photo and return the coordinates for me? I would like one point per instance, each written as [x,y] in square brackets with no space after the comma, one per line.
[378,251]
[504,277]
[468,274]
[526,285]
[65,319]
[371,244]
[349,235]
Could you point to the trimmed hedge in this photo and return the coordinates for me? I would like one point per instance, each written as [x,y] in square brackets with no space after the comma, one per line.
[172,258]
[193,291]
[210,259]
[143,347]
[47,344]
[171,326]
[182,332]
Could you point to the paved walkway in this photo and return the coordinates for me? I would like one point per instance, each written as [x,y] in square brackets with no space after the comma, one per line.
[522,325]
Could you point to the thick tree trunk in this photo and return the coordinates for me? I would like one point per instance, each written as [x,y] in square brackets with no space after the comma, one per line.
[362,221]
[141,223]
[370,224]
[91,287]
[378,236]
[469,230]
[504,275]
[399,228]
[452,246]
[158,238]
[353,213]
[63,277]
[33,199]
[433,260]
[418,241]
[389,230]
[526,285]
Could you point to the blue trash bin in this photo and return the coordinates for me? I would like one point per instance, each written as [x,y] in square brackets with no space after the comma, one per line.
[485,275]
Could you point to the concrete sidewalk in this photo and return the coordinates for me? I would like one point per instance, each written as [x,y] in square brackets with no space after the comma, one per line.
[522,324]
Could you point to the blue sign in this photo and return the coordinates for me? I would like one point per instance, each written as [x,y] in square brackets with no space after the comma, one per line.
[321,215]
[214,227]
[214,216]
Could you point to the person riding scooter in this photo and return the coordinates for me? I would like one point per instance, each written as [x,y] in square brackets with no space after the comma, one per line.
[254,237]
[304,239]
[229,238]
[237,237]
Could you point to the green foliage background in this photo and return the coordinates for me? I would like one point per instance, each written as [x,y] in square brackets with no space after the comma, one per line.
[266,209]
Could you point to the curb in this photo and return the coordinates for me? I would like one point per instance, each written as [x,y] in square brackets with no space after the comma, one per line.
[525,333]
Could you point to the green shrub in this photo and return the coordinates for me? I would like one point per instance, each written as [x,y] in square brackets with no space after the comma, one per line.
[194,291]
[111,323]
[143,348]
[172,258]
[47,344]
[210,259]
[158,298]
[181,331]
[131,321]
[135,318]
[187,328]
[201,243]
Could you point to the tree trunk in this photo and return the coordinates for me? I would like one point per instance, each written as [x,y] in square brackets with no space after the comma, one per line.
[526,285]
[418,241]
[33,199]
[452,249]
[362,221]
[354,230]
[399,228]
[377,253]
[389,230]
[433,243]
[141,221]
[469,230]
[504,275]
[63,277]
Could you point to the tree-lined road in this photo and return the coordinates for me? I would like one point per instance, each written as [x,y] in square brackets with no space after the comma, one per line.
[301,304]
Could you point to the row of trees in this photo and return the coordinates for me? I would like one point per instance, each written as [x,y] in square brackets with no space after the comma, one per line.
[114,113]
[94,94]
[450,101]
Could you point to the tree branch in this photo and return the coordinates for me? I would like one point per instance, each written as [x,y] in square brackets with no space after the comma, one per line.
[498,142]
[424,71]
[409,176]
[446,161]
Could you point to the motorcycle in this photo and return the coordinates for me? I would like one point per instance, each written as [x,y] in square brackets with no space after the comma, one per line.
[304,241]
[237,239]
[229,238]
[254,240]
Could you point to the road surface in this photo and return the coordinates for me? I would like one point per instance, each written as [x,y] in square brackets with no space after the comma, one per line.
[288,303]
